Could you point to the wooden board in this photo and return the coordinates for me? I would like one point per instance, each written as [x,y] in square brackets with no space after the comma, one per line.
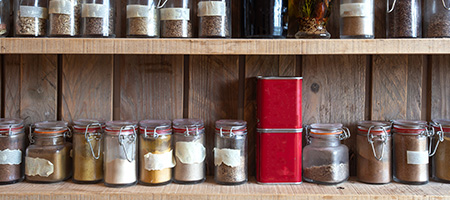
[440,93]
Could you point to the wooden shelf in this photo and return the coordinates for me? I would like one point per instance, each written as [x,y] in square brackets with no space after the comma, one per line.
[210,190]
[222,46]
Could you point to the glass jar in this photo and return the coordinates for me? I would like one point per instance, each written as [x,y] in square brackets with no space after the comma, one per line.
[176,19]
[441,159]
[314,16]
[4,17]
[265,18]
[230,152]
[12,149]
[155,152]
[374,149]
[357,19]
[325,159]
[48,157]
[97,18]
[410,152]
[436,19]
[30,18]
[404,19]
[190,151]
[120,154]
[143,18]
[64,17]
[215,18]
[88,150]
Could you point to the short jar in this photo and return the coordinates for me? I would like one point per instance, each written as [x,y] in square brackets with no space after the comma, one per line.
[12,150]
[441,159]
[176,19]
[143,18]
[30,18]
[97,18]
[357,19]
[215,18]
[64,18]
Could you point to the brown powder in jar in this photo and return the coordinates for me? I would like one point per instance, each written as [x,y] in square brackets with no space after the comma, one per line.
[86,167]
[356,26]
[405,20]
[369,169]
[327,173]
[59,156]
[442,160]
[226,174]
[214,26]
[439,26]
[12,173]
[403,171]
[176,28]
[28,26]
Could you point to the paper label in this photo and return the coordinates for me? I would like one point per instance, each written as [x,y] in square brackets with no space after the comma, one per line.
[190,152]
[94,10]
[33,11]
[356,10]
[211,8]
[417,157]
[159,161]
[61,7]
[174,14]
[230,157]
[38,167]
[10,157]
[135,11]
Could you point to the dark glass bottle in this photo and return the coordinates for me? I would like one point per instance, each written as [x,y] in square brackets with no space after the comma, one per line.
[265,18]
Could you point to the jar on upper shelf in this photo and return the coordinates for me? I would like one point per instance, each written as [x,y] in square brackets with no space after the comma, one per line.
[4,17]
[404,19]
[176,19]
[357,19]
[30,18]
[314,15]
[436,21]
[441,159]
[64,18]
[215,18]
[12,150]
[97,18]
[143,18]
[265,18]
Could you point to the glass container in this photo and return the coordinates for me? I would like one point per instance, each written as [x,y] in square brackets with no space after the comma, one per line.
[404,19]
[30,18]
[215,18]
[176,19]
[357,19]
[314,15]
[265,18]
[64,18]
[5,17]
[97,18]
[441,159]
[436,19]
[12,149]
[143,18]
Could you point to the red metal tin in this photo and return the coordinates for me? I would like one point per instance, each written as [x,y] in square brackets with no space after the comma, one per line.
[279,156]
[279,102]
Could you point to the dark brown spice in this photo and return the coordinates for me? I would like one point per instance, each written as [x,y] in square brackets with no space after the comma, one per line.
[65,24]
[405,20]
[176,28]
[214,26]
[94,26]
[369,169]
[28,26]
[439,26]
[334,173]
[226,174]
[12,173]
[403,171]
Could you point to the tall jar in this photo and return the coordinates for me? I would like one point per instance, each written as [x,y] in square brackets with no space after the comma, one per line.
[230,152]
[97,18]
[410,152]
[12,150]
[120,154]
[314,15]
[64,18]
[265,18]
[143,18]
[215,18]
[30,18]
[374,149]
[436,19]
[190,151]
[176,19]
[325,159]
[48,157]
[5,11]
[357,19]
[88,150]
[404,19]
[441,159]
[155,152]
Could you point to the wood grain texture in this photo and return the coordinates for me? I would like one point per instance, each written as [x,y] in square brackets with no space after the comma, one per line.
[87,87]
[440,92]
[151,87]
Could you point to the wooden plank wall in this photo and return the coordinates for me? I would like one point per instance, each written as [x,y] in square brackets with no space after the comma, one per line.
[336,89]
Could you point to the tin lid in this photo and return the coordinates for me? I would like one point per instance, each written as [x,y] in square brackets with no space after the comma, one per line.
[91,124]
[188,126]
[161,127]
[50,127]
[227,126]
[326,129]
[124,127]
[10,126]
[279,77]
[375,127]
[445,123]
[409,126]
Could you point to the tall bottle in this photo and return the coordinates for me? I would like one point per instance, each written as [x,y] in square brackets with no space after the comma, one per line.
[265,18]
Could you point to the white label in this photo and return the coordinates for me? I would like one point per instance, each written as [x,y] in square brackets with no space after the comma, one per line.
[10,157]
[94,10]
[32,11]
[38,167]
[417,157]
[159,161]
[230,157]
[211,8]
[190,152]
[356,10]
[61,7]
[175,14]
[135,11]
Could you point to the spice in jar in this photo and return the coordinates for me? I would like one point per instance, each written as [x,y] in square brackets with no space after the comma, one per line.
[357,19]
[404,19]
[314,16]
[441,159]
[64,17]
[175,19]
[12,149]
[214,17]
[436,20]
[31,20]
[143,19]
[97,18]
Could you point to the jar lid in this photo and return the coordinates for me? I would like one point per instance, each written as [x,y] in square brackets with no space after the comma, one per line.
[10,126]
[188,125]
[409,126]
[445,123]
[237,127]
[50,127]
[376,127]
[121,126]
[94,124]
[162,127]
[326,129]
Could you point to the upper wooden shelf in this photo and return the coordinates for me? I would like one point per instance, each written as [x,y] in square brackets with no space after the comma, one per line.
[222,46]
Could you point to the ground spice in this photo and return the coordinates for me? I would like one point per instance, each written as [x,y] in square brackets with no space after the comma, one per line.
[29,26]
[86,167]
[12,173]
[369,169]
[155,146]
[334,173]
[190,173]
[214,26]
[65,24]
[403,171]
[405,20]
[226,174]
[439,25]
[120,171]
[176,28]
[357,19]
[442,160]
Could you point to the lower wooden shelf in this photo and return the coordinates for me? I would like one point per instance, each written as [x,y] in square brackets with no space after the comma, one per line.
[209,190]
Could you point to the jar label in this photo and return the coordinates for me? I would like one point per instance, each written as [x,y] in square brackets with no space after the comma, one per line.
[356,10]
[61,7]
[33,11]
[174,14]
[230,157]
[95,10]
[10,157]
[190,152]
[38,167]
[159,161]
[211,8]
[417,157]
[137,11]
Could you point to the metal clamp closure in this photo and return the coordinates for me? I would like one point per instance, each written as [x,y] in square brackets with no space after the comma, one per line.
[159,4]
[440,133]
[87,136]
[155,134]
[393,6]
[30,134]
[445,5]
[382,137]
[131,138]
[188,133]
[345,134]
[231,132]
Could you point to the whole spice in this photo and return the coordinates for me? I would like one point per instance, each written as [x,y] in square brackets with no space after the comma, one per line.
[442,160]
[314,15]
[405,19]
[12,149]
[31,26]
[411,158]
[162,147]
[98,23]
[327,173]
[65,17]
[176,29]
[86,167]
[214,26]
[369,169]
[143,21]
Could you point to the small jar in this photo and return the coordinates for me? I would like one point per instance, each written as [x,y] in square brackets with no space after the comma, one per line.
[436,19]
[325,159]
[4,17]
[64,18]
[441,159]
[265,19]
[30,18]
[155,152]
[404,19]
[97,18]
[230,152]
[410,152]
[12,149]
[88,150]
[215,18]
[176,19]
[374,149]
[357,19]
[314,15]
[143,18]
[48,157]
[120,154]
[190,151]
